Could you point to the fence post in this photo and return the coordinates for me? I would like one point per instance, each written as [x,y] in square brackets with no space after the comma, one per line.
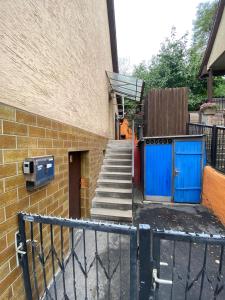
[214,145]
[24,258]
[133,265]
[187,128]
[145,276]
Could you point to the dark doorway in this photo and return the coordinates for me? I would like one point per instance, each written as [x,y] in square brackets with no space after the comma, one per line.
[74,184]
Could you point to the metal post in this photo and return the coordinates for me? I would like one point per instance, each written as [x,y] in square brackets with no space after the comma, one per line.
[133,184]
[132,148]
[123,106]
[187,128]
[210,86]
[214,145]
[145,273]
[133,265]
[156,262]
[24,258]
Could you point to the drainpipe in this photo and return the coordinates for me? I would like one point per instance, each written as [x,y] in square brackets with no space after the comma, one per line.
[133,139]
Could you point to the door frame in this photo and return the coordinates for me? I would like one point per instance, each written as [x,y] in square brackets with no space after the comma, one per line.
[202,163]
[77,155]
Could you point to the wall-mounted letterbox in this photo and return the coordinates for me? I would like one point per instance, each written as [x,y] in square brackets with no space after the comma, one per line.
[38,170]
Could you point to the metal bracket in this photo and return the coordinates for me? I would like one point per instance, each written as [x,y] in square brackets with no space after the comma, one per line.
[163,263]
[18,248]
[159,280]
[176,172]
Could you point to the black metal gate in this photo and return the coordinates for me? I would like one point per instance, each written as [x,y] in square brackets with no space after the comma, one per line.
[74,259]
[183,266]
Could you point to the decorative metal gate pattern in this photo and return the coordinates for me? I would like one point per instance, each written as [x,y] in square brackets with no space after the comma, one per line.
[73,259]
[187,266]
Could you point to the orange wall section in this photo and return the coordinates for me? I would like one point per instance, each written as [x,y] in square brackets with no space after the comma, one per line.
[213,195]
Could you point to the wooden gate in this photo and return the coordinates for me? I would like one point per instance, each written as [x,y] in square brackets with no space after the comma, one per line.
[166,112]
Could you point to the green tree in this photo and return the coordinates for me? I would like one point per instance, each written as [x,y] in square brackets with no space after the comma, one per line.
[168,68]
[176,65]
[202,25]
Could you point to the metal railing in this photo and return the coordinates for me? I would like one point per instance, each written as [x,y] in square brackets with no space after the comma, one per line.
[133,187]
[220,102]
[133,140]
[215,143]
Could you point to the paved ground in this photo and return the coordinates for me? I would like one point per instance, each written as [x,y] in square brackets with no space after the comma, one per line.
[107,278]
[189,219]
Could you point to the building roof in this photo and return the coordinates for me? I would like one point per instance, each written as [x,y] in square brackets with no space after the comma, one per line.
[218,68]
[112,31]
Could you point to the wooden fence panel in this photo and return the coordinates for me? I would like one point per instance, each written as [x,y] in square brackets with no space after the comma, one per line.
[166,112]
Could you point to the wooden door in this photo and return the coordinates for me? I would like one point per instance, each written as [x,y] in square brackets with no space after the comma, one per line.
[158,173]
[188,168]
[74,184]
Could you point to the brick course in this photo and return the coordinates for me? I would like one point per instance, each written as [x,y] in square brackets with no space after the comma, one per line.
[26,134]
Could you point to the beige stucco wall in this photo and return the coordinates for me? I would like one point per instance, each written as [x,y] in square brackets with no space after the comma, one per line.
[53,57]
[219,44]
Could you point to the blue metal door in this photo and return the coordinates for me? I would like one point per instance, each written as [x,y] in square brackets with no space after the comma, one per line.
[188,165]
[158,171]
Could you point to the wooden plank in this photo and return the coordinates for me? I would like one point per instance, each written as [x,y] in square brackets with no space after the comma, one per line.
[166,112]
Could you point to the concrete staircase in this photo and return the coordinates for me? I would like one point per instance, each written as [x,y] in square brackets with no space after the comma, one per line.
[113,195]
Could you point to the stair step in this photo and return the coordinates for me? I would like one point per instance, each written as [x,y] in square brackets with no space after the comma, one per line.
[113,192]
[117,183]
[120,142]
[116,175]
[114,180]
[118,150]
[117,168]
[118,156]
[112,203]
[116,161]
[113,195]
[124,147]
[111,214]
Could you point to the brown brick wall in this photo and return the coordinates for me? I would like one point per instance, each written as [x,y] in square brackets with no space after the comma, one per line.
[22,135]
[213,195]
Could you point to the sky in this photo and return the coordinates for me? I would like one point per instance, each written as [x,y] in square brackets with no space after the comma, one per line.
[143,24]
